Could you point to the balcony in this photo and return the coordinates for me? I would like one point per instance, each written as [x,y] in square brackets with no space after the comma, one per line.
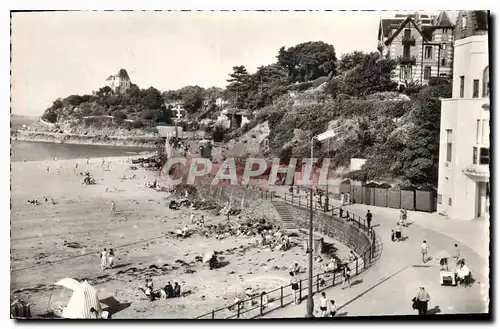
[408,40]
[407,60]
[477,170]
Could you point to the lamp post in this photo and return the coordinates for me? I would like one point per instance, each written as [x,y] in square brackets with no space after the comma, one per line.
[309,305]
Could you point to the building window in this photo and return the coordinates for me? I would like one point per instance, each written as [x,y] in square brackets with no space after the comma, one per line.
[405,72]
[443,61]
[443,46]
[474,155]
[478,131]
[462,81]
[428,52]
[484,156]
[449,144]
[406,51]
[485,132]
[427,72]
[442,75]
[440,198]
[475,88]
[449,201]
[486,82]
[407,34]
[464,22]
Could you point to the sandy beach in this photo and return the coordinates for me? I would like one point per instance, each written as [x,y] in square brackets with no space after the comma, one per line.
[139,232]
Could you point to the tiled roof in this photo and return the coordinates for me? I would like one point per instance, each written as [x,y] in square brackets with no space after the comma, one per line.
[122,74]
[443,20]
[387,23]
[400,28]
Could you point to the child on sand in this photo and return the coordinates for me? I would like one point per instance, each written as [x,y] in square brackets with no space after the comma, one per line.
[104,257]
[111,258]
[113,206]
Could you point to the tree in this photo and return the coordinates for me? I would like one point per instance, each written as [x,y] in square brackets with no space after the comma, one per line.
[370,75]
[350,60]
[421,155]
[171,95]
[152,98]
[104,91]
[50,116]
[192,98]
[308,61]
[239,85]
[267,84]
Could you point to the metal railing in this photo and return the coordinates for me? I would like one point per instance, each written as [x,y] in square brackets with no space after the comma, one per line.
[283,296]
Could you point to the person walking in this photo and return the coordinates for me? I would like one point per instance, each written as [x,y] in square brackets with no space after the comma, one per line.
[104,259]
[341,212]
[111,258]
[424,249]
[346,276]
[295,288]
[423,299]
[456,256]
[333,308]
[323,304]
[369,217]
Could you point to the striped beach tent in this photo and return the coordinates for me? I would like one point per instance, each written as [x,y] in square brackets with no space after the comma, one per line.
[84,298]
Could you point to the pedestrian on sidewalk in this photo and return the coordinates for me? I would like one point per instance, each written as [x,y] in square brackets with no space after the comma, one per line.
[423,299]
[342,199]
[399,232]
[295,288]
[323,305]
[346,276]
[369,217]
[341,212]
[333,308]
[424,249]
[456,256]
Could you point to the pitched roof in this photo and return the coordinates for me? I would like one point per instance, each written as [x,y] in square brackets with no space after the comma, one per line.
[408,19]
[385,25]
[443,20]
[122,74]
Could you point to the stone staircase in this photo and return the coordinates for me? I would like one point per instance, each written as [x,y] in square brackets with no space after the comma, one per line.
[285,215]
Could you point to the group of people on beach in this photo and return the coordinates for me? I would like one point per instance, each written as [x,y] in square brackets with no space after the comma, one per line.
[107,258]
[168,291]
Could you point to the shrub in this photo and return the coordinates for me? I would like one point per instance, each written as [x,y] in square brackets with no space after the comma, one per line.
[137,124]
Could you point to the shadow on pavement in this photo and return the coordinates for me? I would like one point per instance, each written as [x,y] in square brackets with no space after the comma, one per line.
[355,282]
[434,310]
[342,314]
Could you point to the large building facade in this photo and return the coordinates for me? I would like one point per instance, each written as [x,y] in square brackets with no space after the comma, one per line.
[421,44]
[464,156]
[119,82]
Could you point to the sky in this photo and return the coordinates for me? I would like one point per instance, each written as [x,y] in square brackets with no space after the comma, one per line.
[57,54]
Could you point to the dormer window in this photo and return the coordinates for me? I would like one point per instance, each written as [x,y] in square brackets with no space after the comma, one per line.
[464,22]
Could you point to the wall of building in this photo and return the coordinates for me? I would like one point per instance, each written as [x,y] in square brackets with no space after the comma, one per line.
[461,115]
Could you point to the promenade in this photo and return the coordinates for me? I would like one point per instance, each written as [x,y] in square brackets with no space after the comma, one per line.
[388,286]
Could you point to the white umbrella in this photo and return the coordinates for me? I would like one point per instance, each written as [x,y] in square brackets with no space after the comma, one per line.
[208,256]
[69,283]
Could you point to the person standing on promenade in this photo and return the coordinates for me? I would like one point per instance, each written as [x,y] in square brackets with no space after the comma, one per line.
[342,198]
[295,288]
[369,217]
[346,276]
[104,259]
[323,304]
[423,299]
[424,249]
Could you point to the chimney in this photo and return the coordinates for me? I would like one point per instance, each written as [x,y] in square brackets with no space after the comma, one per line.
[417,20]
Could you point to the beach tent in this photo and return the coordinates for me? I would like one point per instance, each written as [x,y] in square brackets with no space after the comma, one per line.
[83,299]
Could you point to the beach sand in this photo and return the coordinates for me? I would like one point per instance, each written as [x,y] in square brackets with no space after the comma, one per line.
[138,232]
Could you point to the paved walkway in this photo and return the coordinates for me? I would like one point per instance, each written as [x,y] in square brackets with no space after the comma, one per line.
[389,285]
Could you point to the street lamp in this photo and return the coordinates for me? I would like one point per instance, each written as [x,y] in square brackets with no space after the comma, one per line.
[309,305]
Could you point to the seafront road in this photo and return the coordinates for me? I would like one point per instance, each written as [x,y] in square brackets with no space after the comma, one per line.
[389,285]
